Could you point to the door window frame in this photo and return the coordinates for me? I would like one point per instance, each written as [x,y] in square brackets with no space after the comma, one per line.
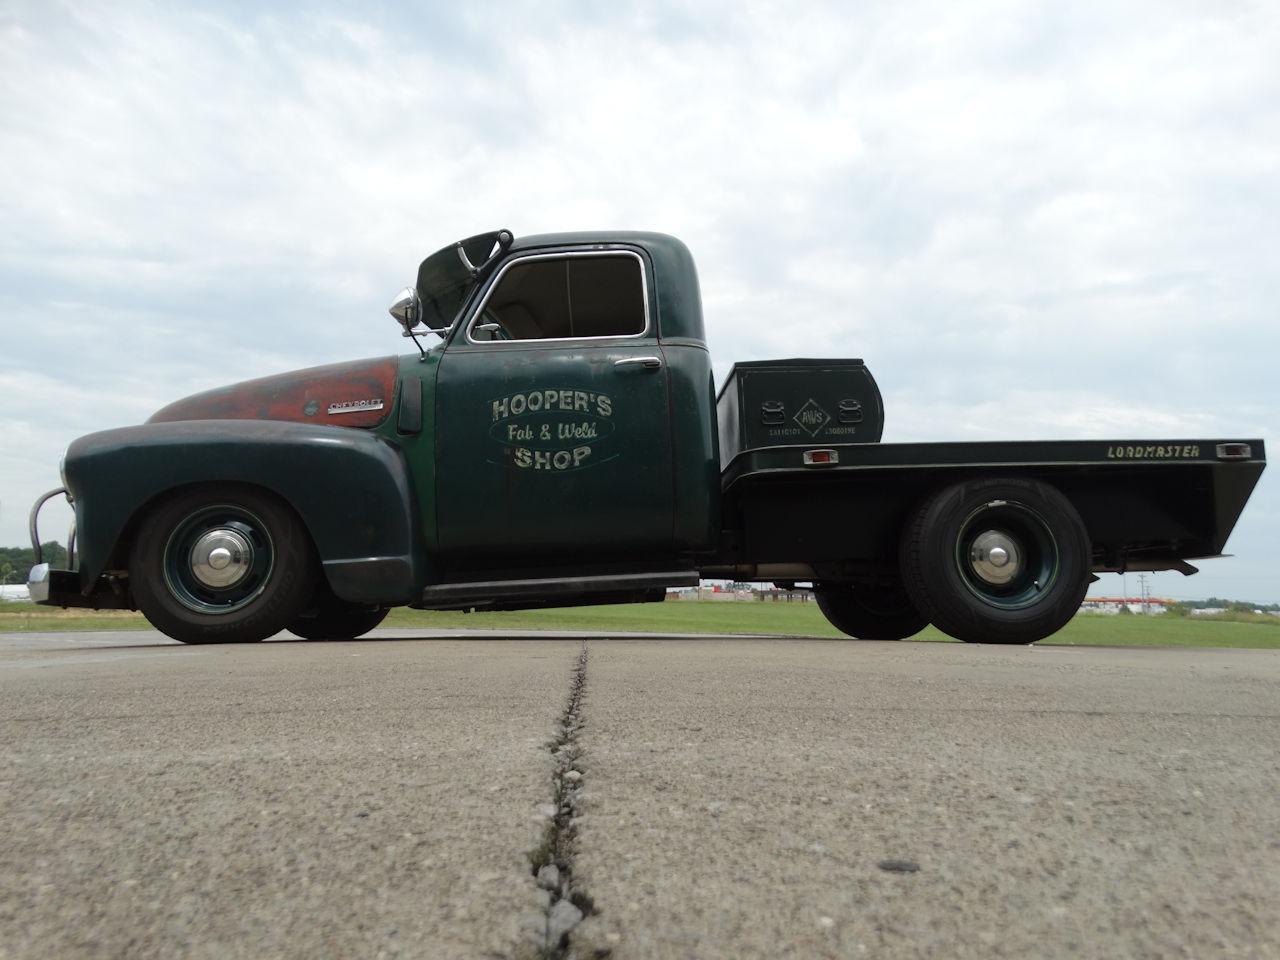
[478,311]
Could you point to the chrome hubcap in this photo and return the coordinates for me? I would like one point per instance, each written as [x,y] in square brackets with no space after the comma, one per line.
[995,557]
[221,558]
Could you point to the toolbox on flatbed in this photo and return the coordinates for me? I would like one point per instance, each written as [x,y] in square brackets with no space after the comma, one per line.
[811,403]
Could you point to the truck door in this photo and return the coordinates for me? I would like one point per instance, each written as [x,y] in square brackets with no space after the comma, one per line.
[552,425]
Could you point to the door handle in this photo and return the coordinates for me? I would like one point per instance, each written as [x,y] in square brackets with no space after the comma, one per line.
[645,363]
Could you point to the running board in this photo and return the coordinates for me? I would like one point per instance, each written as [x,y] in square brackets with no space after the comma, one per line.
[481,590]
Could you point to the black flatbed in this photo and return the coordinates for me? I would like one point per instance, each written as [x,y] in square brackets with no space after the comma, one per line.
[1147,504]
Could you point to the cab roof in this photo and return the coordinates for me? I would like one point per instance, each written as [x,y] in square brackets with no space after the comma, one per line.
[675,278]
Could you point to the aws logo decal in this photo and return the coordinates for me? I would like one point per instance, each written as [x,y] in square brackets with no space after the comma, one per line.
[552,430]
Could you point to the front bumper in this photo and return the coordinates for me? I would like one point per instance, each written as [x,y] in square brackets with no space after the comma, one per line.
[62,588]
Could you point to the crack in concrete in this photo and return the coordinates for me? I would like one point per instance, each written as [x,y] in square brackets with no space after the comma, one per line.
[552,860]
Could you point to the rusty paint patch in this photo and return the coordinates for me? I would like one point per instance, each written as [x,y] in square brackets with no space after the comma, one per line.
[302,396]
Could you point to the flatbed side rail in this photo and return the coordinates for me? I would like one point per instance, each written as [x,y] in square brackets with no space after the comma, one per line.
[853,457]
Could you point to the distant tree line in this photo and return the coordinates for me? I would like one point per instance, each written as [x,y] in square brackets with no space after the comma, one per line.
[1243,605]
[15,562]
[1184,607]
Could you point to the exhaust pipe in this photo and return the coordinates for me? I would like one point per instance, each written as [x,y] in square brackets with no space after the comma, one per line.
[765,572]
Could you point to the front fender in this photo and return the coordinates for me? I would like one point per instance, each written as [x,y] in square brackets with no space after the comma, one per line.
[350,488]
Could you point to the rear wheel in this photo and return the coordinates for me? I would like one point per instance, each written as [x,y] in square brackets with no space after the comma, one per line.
[221,564]
[334,619]
[870,612]
[997,561]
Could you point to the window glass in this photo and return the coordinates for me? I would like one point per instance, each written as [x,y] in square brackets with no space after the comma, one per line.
[562,298]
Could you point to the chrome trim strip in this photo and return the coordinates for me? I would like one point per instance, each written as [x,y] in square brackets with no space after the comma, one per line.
[478,592]
[354,406]
[566,255]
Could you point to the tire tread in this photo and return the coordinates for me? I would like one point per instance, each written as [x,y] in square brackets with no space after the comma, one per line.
[961,616]
[293,573]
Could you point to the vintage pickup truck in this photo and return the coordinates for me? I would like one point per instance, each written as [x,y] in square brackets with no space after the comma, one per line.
[563,444]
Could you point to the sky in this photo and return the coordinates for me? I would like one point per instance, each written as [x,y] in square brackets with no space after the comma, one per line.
[1034,221]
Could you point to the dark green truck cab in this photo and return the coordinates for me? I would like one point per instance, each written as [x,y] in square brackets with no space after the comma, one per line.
[564,443]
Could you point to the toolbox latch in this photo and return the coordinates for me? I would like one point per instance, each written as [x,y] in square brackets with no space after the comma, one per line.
[773,412]
[850,412]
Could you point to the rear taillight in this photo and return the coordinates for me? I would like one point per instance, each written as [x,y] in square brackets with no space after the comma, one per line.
[821,458]
[1234,451]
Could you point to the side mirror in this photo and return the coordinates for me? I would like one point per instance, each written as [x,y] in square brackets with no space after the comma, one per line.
[407,309]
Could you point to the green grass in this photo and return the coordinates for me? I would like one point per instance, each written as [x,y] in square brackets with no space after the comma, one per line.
[1095,630]
[673,616]
[710,616]
[18,617]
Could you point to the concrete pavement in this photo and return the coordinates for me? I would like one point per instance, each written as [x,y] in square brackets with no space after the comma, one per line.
[736,798]
[829,799]
[275,800]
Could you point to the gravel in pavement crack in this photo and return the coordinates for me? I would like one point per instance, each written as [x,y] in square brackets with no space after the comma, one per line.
[552,861]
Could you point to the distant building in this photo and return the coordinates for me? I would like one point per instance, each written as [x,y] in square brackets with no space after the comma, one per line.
[738,591]
[1113,605]
[786,596]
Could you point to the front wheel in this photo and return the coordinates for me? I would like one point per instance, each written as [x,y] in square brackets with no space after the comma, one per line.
[221,564]
[869,612]
[997,561]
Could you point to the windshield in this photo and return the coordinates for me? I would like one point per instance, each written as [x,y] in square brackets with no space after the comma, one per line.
[444,280]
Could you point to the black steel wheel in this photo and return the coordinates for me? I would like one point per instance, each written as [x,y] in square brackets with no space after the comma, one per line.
[870,612]
[996,560]
[334,619]
[221,564]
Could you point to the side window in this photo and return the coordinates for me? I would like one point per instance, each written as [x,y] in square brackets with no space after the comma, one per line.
[593,296]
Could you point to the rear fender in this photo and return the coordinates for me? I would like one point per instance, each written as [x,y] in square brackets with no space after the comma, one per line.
[350,488]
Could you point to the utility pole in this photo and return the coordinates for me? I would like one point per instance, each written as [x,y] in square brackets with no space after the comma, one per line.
[1144,591]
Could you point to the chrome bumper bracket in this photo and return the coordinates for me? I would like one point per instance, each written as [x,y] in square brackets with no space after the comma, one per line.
[33,522]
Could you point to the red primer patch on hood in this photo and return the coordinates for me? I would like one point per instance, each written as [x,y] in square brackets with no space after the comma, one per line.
[355,394]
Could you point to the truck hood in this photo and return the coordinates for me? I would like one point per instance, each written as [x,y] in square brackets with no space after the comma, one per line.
[355,394]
